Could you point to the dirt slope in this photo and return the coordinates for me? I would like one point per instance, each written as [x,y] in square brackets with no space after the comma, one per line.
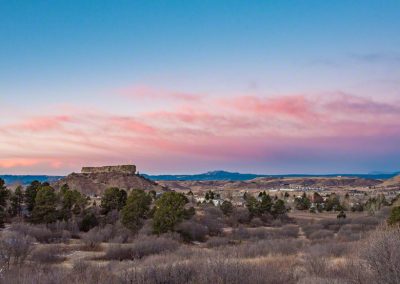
[97,183]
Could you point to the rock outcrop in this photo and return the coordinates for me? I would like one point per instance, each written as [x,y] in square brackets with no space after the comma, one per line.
[127,169]
[95,180]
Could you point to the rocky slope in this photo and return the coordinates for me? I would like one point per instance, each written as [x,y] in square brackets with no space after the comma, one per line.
[97,183]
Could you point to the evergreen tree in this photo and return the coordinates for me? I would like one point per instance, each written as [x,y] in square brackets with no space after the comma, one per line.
[394,217]
[278,208]
[135,210]
[30,194]
[169,211]
[333,203]
[113,199]
[226,207]
[17,198]
[302,203]
[45,206]
[72,202]
[253,206]
[4,194]
[266,203]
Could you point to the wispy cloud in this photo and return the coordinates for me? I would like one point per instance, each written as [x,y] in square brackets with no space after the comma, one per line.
[242,128]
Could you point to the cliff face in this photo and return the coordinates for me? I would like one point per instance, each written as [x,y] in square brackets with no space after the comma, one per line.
[96,180]
[127,169]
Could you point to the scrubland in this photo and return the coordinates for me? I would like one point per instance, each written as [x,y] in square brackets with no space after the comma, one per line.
[144,238]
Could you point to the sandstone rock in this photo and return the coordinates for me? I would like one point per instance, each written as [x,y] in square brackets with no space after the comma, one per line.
[95,180]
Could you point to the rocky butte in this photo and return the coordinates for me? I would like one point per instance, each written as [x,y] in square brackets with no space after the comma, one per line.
[127,169]
[95,180]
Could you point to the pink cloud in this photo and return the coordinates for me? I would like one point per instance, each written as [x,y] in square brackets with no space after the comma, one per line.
[150,93]
[43,123]
[244,128]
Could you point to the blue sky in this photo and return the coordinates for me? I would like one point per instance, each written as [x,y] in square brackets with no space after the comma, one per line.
[74,57]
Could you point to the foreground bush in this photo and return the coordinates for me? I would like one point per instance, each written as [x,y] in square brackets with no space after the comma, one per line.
[14,248]
[381,253]
[41,232]
[140,248]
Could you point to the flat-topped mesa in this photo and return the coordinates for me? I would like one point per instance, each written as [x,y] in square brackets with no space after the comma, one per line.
[124,169]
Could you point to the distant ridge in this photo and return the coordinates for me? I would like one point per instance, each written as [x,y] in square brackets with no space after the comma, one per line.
[27,179]
[208,176]
[234,176]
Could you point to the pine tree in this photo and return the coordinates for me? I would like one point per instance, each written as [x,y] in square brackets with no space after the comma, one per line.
[135,210]
[4,194]
[17,198]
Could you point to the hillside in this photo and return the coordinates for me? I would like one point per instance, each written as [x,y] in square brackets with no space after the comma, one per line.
[27,179]
[96,180]
[273,182]
[233,176]
[393,182]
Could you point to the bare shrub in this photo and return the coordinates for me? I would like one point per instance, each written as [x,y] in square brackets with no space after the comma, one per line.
[70,228]
[140,248]
[381,253]
[192,231]
[213,269]
[109,233]
[329,249]
[239,215]
[263,248]
[315,266]
[351,232]
[57,274]
[311,228]
[289,231]
[213,224]
[218,242]
[321,234]
[40,232]
[47,254]
[333,224]
[14,248]
[243,233]
[92,239]
[213,212]
[236,271]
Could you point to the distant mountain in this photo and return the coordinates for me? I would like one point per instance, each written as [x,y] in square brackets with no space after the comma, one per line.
[214,175]
[27,179]
[232,176]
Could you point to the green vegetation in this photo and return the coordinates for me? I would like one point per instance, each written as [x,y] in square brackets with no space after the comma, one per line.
[169,211]
[45,210]
[135,210]
[113,199]
[302,203]
[4,194]
[394,217]
[226,207]
[30,194]
[16,199]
